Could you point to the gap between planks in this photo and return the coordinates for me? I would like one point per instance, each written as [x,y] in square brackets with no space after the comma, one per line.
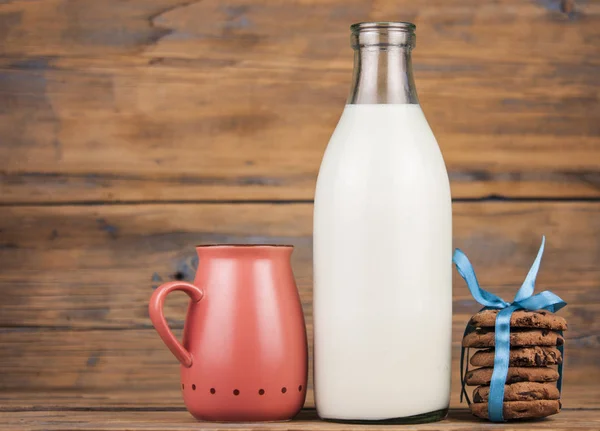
[305,410]
[483,199]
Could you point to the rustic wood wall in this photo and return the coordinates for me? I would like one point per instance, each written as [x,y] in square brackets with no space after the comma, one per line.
[132,130]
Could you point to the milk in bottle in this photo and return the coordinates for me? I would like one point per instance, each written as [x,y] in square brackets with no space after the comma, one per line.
[382,247]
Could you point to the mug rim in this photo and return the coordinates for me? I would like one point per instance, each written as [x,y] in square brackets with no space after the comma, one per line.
[244,245]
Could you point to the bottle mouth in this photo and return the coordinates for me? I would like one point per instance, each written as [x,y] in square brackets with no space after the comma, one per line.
[400,25]
[383,35]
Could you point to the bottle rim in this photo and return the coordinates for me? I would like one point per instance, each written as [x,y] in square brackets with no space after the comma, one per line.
[404,26]
[383,35]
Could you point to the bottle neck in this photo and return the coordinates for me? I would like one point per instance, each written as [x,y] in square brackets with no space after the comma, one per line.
[382,64]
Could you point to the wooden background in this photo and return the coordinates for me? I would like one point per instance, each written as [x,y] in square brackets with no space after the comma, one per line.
[132,130]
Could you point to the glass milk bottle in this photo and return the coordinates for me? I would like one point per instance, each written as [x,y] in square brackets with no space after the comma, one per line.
[382,247]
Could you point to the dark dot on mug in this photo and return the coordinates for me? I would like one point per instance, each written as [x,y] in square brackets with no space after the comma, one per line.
[300,388]
[212,391]
[182,386]
[193,387]
[236,392]
[283,390]
[261,392]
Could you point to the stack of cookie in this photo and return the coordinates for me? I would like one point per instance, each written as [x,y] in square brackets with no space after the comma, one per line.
[530,390]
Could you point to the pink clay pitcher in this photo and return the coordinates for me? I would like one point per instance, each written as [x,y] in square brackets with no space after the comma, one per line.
[244,350]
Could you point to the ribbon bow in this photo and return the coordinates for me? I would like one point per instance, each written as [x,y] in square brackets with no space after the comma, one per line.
[524,299]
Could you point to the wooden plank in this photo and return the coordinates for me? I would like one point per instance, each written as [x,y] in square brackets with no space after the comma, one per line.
[131,367]
[458,420]
[192,28]
[95,266]
[169,399]
[90,399]
[75,282]
[186,101]
[108,258]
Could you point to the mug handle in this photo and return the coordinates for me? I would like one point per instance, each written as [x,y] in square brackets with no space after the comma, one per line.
[155,309]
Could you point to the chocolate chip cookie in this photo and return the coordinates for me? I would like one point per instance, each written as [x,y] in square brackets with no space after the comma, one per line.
[520,357]
[522,391]
[523,319]
[483,376]
[485,337]
[520,409]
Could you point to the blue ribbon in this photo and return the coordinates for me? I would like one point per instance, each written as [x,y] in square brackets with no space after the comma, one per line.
[524,299]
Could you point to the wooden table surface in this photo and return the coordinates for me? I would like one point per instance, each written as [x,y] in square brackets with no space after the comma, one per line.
[81,418]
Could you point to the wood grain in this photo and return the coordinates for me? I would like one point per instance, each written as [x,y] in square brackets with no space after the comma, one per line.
[169,399]
[133,368]
[183,112]
[95,266]
[458,420]
[76,280]
[172,100]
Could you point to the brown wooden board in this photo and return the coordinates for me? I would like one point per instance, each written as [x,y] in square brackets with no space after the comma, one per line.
[458,420]
[133,367]
[578,397]
[173,100]
[75,281]
[95,266]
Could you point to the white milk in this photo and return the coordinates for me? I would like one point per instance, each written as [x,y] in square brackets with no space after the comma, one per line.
[382,268]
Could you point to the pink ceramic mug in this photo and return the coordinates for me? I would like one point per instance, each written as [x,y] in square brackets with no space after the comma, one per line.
[244,350]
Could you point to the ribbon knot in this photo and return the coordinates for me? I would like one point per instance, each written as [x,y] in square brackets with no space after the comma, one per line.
[524,299]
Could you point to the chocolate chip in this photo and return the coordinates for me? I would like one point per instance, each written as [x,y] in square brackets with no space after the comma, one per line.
[545,332]
[538,359]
